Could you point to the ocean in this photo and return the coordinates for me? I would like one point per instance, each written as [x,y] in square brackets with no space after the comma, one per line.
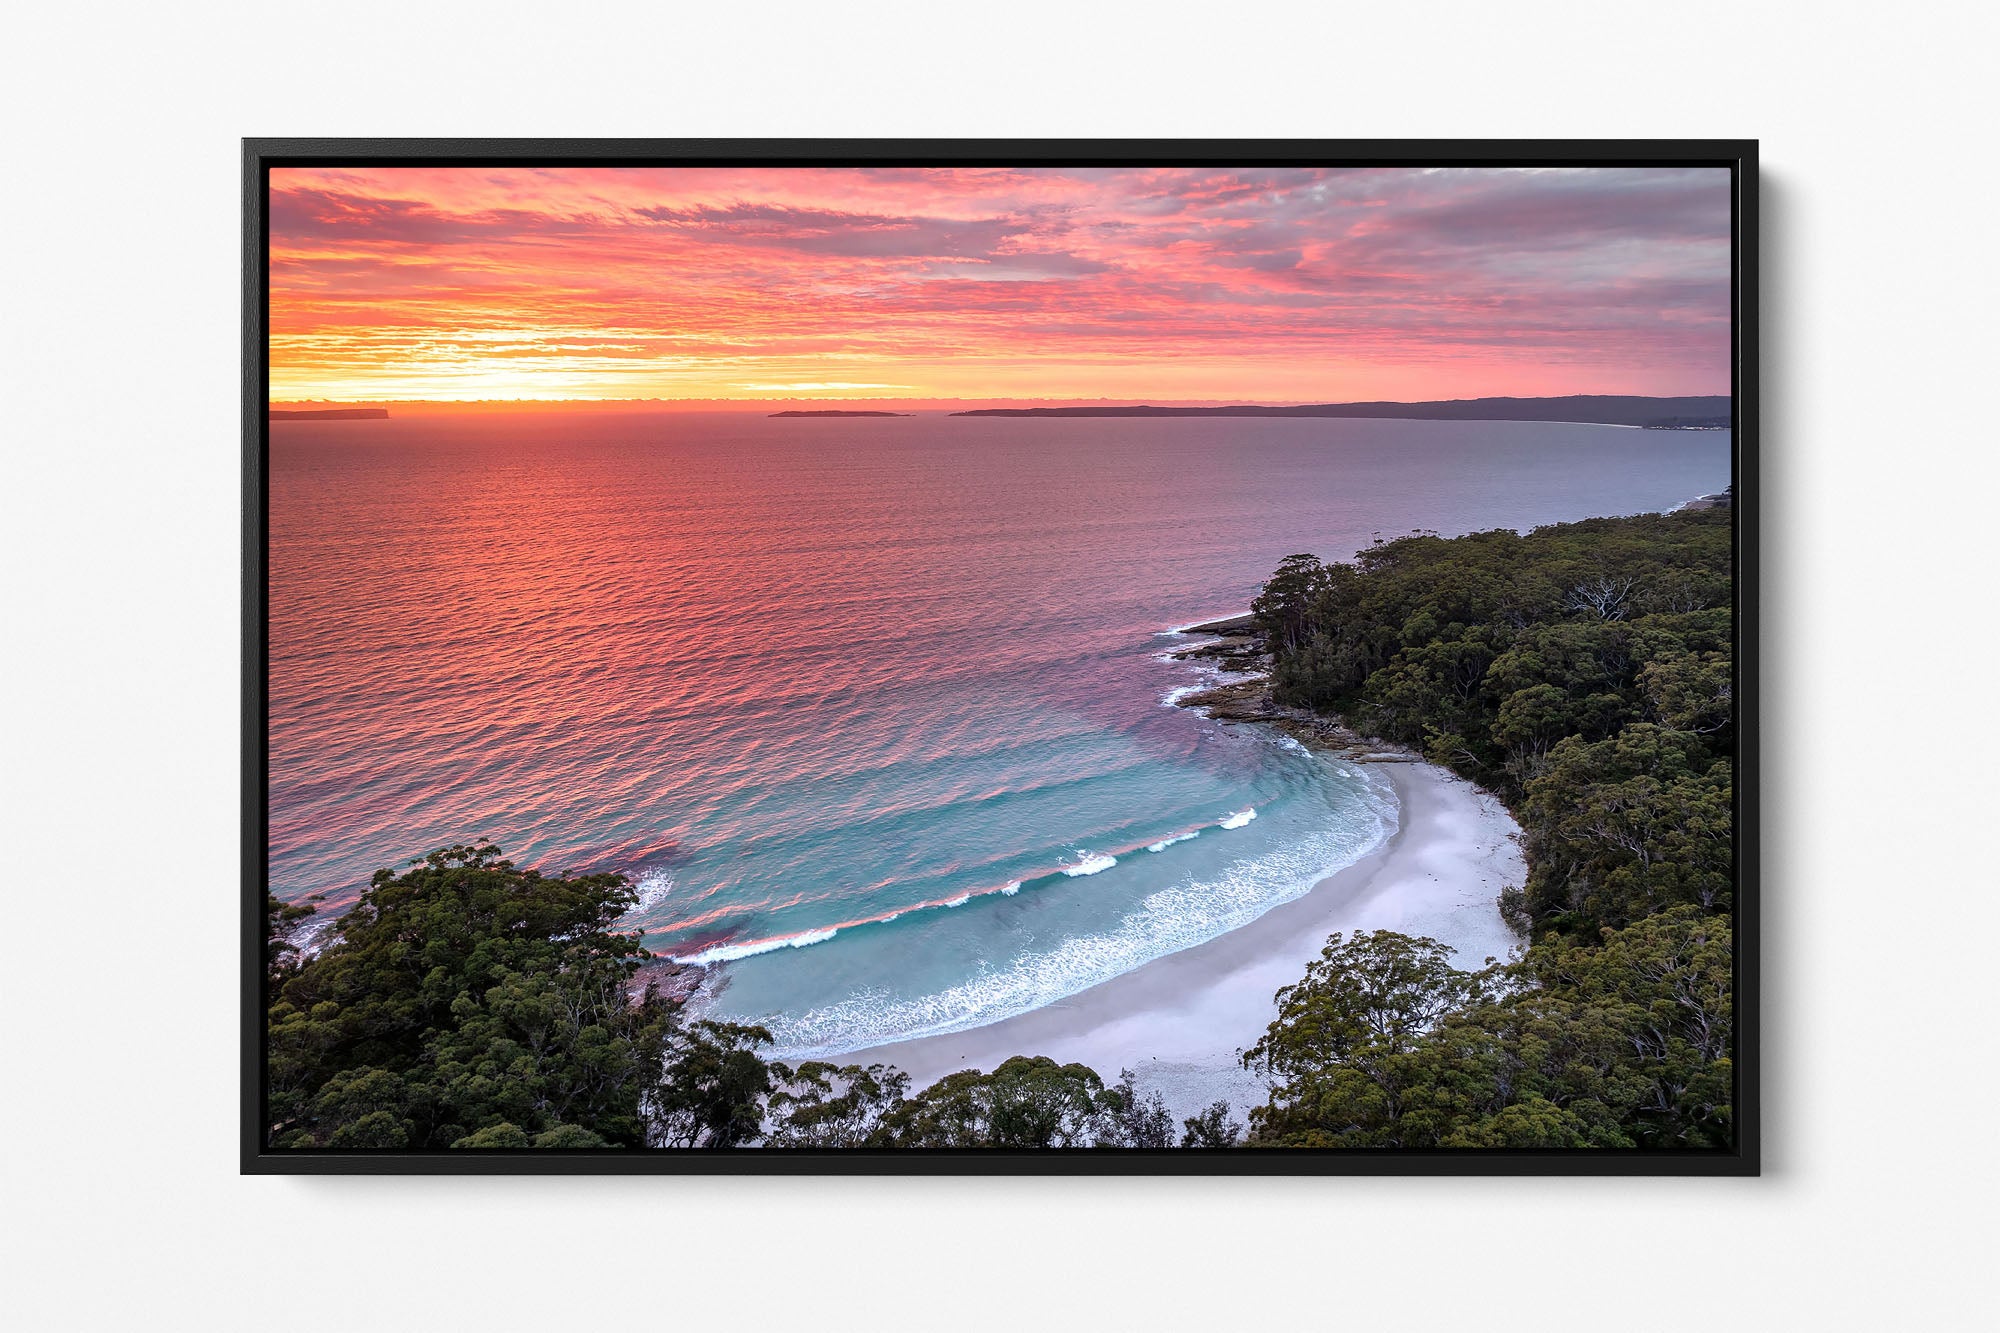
[876,712]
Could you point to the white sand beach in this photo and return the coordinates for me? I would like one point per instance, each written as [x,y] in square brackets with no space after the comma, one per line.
[1180,1021]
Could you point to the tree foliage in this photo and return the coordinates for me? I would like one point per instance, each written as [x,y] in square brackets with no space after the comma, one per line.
[470,1004]
[819,1105]
[1028,1102]
[1584,673]
[1620,1045]
[281,953]
[1512,659]
[1618,829]
[711,1089]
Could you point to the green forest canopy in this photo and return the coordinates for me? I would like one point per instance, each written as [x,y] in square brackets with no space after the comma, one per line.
[1584,673]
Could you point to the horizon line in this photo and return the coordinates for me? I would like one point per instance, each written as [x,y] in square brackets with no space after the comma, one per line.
[1118,400]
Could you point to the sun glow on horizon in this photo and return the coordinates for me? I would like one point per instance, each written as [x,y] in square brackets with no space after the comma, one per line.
[1167,285]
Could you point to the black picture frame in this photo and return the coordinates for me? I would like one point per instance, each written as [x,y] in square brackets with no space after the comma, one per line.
[261,155]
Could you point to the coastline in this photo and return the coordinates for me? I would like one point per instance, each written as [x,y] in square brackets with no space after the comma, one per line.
[1180,1021]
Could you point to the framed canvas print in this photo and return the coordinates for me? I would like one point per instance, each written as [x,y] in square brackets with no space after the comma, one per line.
[999,657]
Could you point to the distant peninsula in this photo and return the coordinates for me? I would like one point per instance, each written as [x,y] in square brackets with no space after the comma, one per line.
[331,414]
[829,412]
[1583,409]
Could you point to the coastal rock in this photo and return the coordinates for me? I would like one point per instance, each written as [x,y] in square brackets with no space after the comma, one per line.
[1243,624]
[1239,701]
[1234,654]
[1250,701]
[1234,644]
[676,981]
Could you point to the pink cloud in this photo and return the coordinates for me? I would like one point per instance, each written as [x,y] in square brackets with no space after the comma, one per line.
[1266,284]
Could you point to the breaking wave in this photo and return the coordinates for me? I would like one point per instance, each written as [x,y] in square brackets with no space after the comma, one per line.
[1166,921]
[653,886]
[723,953]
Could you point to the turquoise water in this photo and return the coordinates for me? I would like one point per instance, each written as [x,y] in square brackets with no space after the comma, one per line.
[873,710]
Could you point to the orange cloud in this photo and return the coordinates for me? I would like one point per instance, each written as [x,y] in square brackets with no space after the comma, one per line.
[1266,285]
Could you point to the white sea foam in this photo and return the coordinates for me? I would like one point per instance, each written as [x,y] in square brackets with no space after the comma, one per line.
[725,953]
[312,935]
[1092,863]
[653,886]
[1165,843]
[1239,819]
[1178,693]
[729,953]
[1168,920]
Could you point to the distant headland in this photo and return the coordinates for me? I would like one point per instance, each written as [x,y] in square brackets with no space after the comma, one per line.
[831,412]
[331,414]
[1583,409]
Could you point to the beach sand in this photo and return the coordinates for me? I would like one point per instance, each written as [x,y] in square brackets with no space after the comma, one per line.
[1179,1022]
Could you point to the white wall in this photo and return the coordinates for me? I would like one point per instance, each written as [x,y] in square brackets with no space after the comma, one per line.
[118,916]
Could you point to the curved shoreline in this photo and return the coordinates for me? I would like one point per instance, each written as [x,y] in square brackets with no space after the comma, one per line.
[1179,1021]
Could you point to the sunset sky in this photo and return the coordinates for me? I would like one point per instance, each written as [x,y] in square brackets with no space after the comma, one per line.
[1150,284]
